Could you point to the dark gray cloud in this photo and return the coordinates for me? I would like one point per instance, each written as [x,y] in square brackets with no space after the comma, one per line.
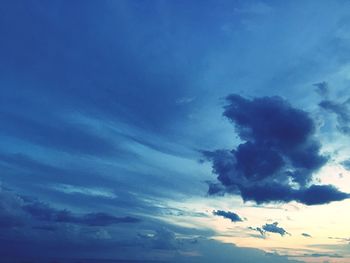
[271,228]
[274,228]
[277,158]
[229,215]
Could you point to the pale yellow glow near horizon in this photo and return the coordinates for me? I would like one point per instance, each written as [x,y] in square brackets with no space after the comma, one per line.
[320,221]
[336,175]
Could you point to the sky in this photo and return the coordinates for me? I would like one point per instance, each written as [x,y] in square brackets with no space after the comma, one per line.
[174,131]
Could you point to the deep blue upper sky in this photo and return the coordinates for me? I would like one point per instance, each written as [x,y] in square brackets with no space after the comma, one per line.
[125,123]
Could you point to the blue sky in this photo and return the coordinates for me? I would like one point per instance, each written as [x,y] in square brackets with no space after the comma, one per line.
[174,131]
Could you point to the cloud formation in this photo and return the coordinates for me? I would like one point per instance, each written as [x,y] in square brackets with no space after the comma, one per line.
[260,230]
[277,158]
[43,212]
[341,110]
[271,228]
[274,228]
[229,215]
[18,211]
[346,164]
[306,235]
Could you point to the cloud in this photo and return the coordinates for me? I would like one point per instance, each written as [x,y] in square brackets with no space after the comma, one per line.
[274,228]
[44,212]
[306,235]
[346,164]
[342,112]
[89,191]
[161,246]
[19,211]
[215,188]
[272,192]
[260,230]
[320,194]
[104,219]
[161,238]
[277,158]
[229,215]
[271,228]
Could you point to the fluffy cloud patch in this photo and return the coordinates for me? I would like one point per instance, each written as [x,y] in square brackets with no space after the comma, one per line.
[271,228]
[277,157]
[274,228]
[229,215]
